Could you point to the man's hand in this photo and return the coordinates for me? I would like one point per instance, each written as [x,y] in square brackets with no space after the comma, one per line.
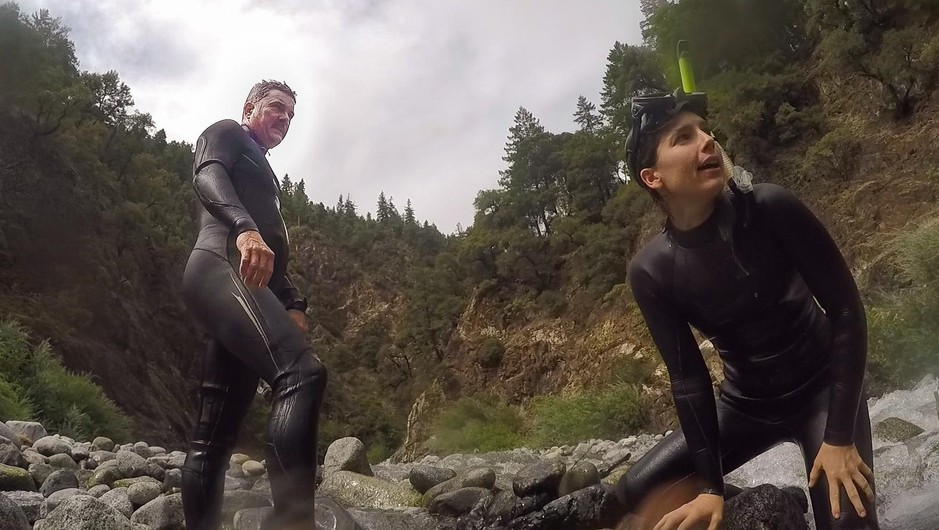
[843,467]
[299,318]
[257,259]
[705,509]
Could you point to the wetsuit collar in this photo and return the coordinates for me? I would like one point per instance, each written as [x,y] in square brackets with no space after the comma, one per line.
[701,235]
[254,138]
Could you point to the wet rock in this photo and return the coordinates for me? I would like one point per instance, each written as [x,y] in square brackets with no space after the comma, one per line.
[58,480]
[896,430]
[347,454]
[162,513]
[593,507]
[15,478]
[352,489]
[457,502]
[251,518]
[578,477]
[764,506]
[544,476]
[476,478]
[422,478]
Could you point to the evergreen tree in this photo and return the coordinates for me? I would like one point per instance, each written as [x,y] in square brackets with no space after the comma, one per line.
[585,117]
[409,214]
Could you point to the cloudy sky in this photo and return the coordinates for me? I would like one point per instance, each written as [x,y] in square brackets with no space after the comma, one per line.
[410,97]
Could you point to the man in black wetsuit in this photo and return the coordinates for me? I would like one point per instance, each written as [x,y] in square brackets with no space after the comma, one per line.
[236,286]
[757,274]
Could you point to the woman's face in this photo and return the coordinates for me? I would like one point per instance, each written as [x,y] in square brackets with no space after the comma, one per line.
[688,165]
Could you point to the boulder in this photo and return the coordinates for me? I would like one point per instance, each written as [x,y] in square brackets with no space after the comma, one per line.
[347,454]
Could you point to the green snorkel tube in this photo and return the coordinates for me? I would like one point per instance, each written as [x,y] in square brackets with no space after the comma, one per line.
[739,180]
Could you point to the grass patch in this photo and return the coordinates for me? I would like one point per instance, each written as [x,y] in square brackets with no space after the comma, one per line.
[478,425]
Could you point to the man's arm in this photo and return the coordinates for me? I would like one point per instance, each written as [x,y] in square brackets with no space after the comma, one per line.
[216,151]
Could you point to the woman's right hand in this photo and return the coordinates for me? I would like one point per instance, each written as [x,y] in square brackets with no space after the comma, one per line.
[257,259]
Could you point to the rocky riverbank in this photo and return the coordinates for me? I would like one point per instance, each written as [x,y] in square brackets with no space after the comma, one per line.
[51,482]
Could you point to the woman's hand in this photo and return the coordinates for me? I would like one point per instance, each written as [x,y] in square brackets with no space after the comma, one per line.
[299,318]
[843,467]
[257,259]
[705,509]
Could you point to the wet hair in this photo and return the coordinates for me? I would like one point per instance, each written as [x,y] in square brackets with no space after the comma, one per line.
[262,89]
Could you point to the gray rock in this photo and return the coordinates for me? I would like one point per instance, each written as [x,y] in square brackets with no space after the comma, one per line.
[397,519]
[11,515]
[163,513]
[7,432]
[11,455]
[57,498]
[62,460]
[176,460]
[593,507]
[896,430]
[61,479]
[157,450]
[101,457]
[579,476]
[232,483]
[238,500]
[102,444]
[329,514]
[422,478]
[99,490]
[235,471]
[142,449]
[347,454]
[263,485]
[84,475]
[106,473]
[127,482]
[764,506]
[143,492]
[30,502]
[155,471]
[33,457]
[131,465]
[616,457]
[541,477]
[457,502]
[80,452]
[52,445]
[120,501]
[238,459]
[173,479]
[351,489]
[15,478]
[476,478]
[253,468]
[84,512]
[251,518]
[40,472]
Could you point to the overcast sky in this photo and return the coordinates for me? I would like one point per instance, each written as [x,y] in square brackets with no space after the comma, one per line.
[410,97]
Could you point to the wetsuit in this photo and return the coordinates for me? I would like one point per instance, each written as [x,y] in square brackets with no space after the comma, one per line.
[250,333]
[793,367]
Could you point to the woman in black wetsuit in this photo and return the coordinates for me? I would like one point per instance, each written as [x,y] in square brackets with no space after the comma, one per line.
[745,268]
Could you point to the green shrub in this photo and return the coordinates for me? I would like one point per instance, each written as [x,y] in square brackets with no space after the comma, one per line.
[477,425]
[13,405]
[835,156]
[608,413]
[491,352]
[552,303]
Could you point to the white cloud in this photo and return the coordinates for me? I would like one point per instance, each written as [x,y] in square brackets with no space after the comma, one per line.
[410,97]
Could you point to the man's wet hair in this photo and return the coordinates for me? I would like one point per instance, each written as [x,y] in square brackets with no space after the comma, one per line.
[262,89]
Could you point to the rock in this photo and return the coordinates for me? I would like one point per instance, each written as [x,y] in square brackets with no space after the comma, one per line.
[232,483]
[328,514]
[764,506]
[127,482]
[263,485]
[28,501]
[33,457]
[142,449]
[543,476]
[52,445]
[143,492]
[120,501]
[7,432]
[522,507]
[62,460]
[102,444]
[15,479]
[101,457]
[238,500]
[80,452]
[99,490]
[131,465]
[352,489]
[57,498]
[457,502]
[106,473]
[896,430]
[176,460]
[579,476]
[420,423]
[173,479]
[155,471]
[476,478]
[157,450]
[251,518]
[347,454]
[616,457]
[235,471]
[593,507]
[11,455]
[58,480]
[11,515]
[253,468]
[40,472]
[422,478]
[84,512]
[162,513]
[239,458]
[397,519]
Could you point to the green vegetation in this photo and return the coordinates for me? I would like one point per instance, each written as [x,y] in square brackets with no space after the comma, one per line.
[34,386]
[478,425]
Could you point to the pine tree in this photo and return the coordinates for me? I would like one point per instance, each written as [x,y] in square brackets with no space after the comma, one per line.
[409,214]
[585,117]
[382,213]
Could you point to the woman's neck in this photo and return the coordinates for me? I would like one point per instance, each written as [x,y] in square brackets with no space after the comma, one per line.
[688,216]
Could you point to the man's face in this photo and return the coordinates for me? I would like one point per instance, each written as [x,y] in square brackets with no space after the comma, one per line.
[269,119]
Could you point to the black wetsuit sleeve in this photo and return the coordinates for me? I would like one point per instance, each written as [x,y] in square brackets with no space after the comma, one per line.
[288,294]
[216,151]
[689,376]
[817,258]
